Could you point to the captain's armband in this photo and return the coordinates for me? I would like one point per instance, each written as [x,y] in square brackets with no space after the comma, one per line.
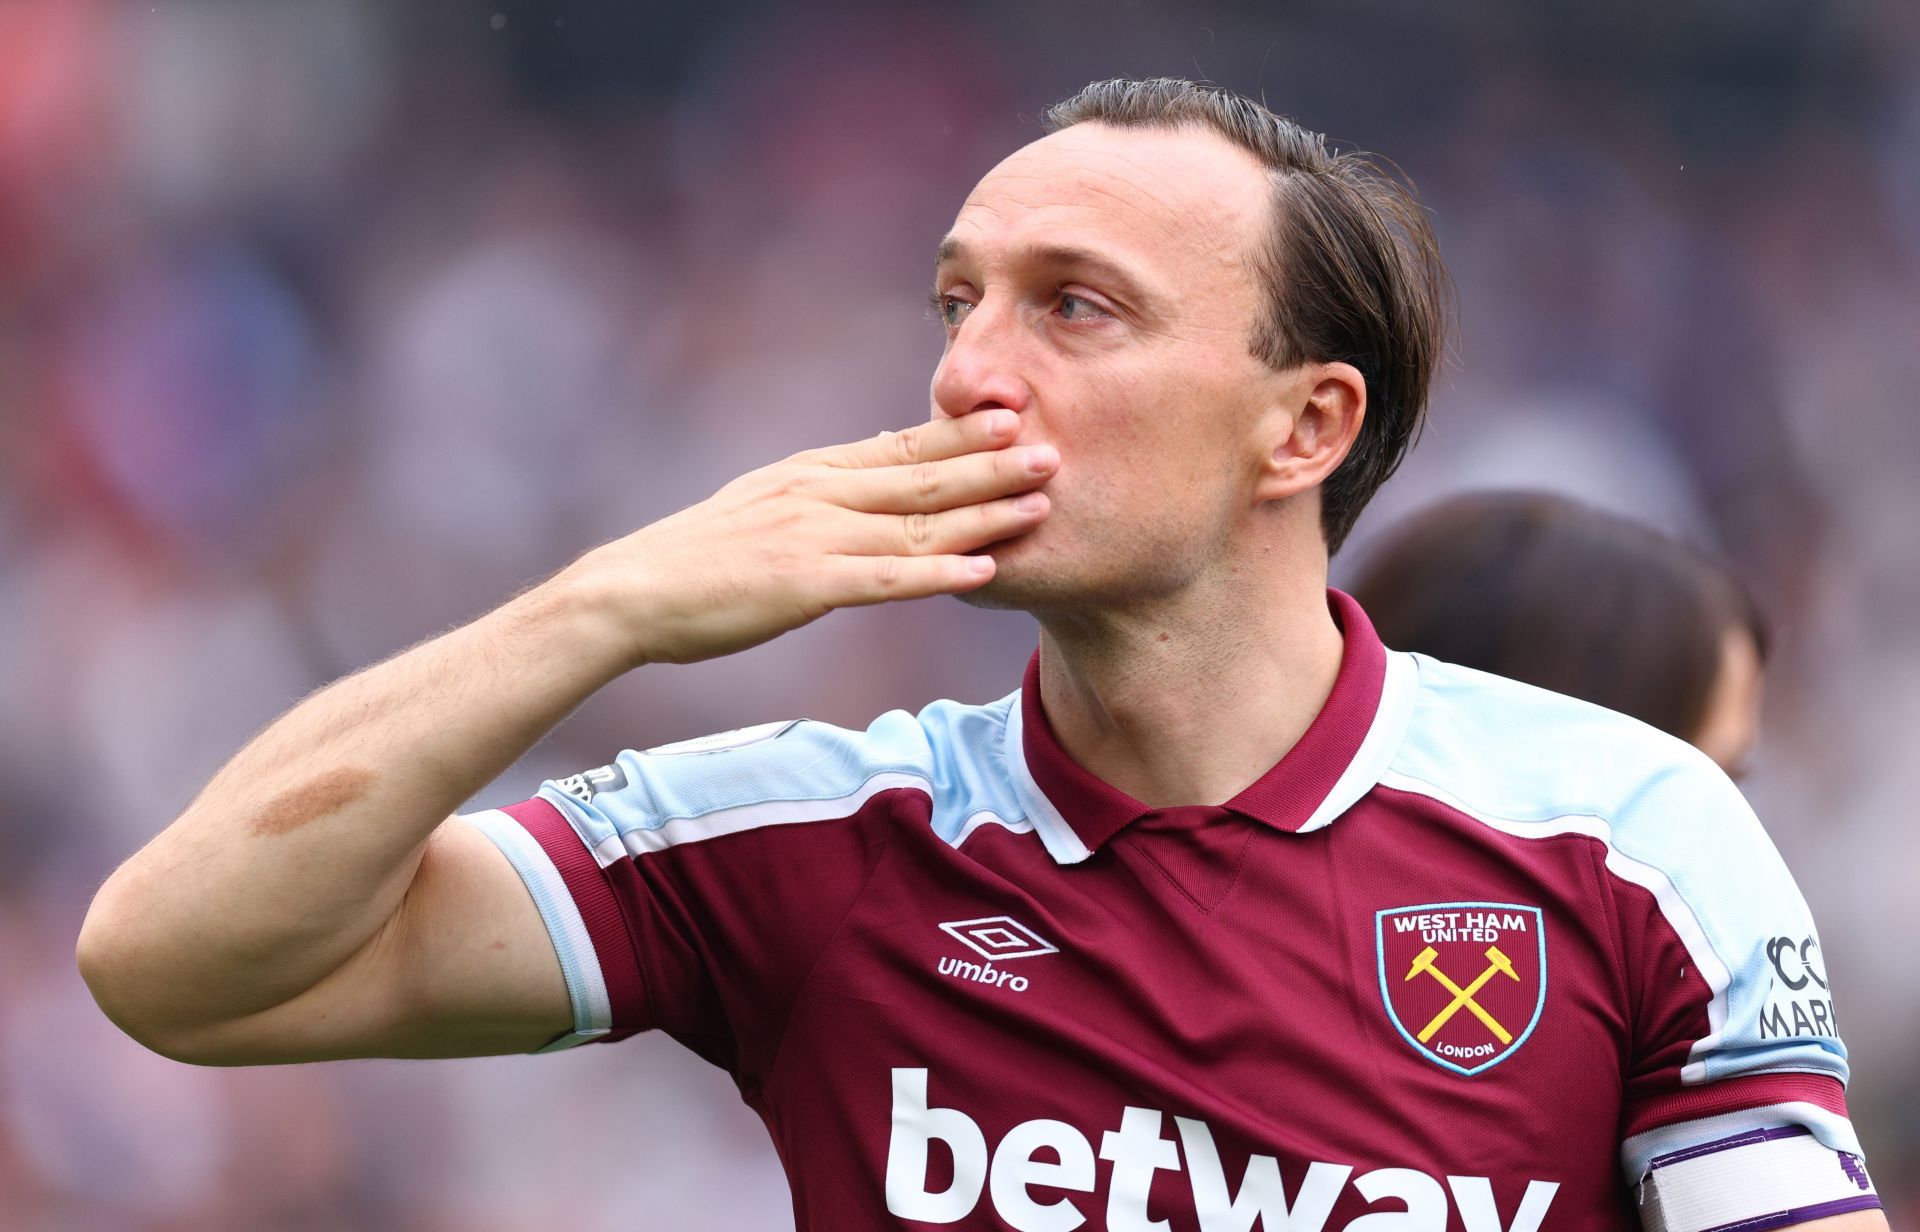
[1764,1178]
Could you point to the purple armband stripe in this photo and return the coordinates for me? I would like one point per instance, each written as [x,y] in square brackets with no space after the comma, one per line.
[1749,1138]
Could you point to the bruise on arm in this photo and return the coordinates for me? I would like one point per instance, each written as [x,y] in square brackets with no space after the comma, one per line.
[312,800]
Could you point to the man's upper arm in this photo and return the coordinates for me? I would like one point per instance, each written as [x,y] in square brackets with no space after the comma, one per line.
[688,888]
[464,968]
[1735,1104]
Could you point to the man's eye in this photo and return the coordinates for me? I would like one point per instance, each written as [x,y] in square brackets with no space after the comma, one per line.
[949,309]
[1079,308]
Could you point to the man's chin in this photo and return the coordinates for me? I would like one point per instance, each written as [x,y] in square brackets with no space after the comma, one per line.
[1020,580]
[993,597]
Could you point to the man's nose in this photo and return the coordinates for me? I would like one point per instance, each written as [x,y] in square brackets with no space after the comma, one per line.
[983,368]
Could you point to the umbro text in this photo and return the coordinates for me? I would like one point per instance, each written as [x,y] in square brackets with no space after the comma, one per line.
[982,973]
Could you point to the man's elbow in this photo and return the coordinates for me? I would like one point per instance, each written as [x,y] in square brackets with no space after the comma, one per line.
[121,983]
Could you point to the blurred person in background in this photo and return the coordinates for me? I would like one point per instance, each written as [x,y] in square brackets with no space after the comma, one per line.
[1552,592]
[1174,282]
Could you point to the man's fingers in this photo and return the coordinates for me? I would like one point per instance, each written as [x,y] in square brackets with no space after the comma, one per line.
[858,581]
[950,531]
[929,487]
[928,442]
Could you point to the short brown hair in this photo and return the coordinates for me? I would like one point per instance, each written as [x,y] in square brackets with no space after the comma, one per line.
[1351,268]
[1548,591]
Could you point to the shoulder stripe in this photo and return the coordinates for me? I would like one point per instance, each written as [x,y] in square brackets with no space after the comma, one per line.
[1020,825]
[580,962]
[672,831]
[1679,916]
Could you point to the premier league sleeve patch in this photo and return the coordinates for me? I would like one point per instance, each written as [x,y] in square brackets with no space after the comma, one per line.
[1463,983]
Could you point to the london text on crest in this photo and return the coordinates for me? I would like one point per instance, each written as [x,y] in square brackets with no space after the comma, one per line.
[1463,983]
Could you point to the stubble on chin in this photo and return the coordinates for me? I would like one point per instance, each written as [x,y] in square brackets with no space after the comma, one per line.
[1101,574]
[1011,590]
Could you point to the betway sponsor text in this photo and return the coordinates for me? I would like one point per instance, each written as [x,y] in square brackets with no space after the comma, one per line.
[1009,1174]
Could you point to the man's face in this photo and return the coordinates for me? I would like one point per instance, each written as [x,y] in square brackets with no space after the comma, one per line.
[1101,282]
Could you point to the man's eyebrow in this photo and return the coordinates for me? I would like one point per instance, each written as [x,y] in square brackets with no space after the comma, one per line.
[1124,283]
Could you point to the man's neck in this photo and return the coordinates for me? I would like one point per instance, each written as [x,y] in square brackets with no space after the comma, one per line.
[1192,702]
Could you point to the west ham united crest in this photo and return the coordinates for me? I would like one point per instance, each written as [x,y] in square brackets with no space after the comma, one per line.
[1463,982]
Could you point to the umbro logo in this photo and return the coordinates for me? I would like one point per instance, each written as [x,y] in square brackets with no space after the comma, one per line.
[996,938]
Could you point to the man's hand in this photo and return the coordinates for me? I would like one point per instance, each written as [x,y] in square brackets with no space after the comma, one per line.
[891,517]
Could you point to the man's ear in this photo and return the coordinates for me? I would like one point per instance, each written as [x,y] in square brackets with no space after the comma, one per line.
[1319,410]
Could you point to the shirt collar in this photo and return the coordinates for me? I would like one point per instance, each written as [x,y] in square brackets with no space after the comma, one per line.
[1342,755]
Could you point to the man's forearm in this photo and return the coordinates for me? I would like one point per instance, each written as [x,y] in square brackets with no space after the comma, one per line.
[303,846]
[299,854]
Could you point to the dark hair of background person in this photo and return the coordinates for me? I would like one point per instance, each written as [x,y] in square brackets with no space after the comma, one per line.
[1554,593]
[1352,270]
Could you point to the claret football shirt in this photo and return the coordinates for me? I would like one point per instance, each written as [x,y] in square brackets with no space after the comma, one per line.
[1472,956]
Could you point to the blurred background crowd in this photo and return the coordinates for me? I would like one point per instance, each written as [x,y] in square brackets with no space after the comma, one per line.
[326,326]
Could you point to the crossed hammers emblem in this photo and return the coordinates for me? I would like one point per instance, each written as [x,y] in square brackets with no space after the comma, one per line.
[1499,964]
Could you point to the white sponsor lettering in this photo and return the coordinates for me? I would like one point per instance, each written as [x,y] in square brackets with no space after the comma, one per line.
[1474,1196]
[1015,1170]
[1262,1198]
[1138,1152]
[914,1126]
[1426,1202]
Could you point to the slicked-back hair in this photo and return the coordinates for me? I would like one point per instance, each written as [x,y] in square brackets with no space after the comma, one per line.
[1351,270]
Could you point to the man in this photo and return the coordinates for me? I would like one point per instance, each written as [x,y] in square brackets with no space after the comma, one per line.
[1227,918]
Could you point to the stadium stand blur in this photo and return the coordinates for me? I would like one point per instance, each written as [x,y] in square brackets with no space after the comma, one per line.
[323,327]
